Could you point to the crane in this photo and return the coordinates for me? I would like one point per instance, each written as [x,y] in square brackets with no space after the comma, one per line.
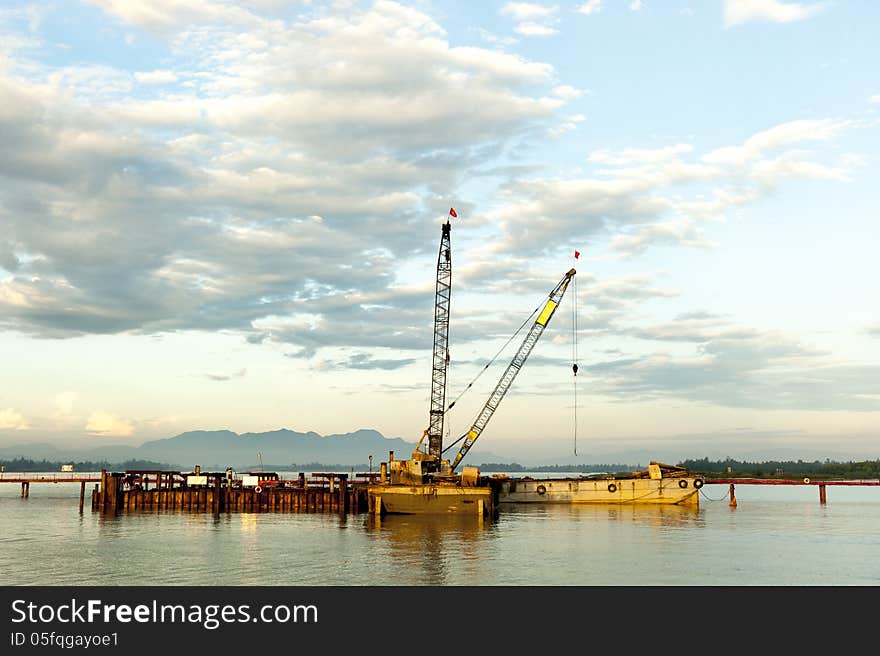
[423,464]
[441,342]
[512,369]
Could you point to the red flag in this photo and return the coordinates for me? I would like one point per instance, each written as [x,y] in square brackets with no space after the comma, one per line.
[577,254]
[452,212]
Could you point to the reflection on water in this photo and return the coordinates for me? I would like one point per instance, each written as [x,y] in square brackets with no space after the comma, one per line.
[431,544]
[660,516]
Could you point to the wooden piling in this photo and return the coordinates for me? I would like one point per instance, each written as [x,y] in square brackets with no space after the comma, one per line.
[102,500]
[732,502]
[822,493]
[216,499]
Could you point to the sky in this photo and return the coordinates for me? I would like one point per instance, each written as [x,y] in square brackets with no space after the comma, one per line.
[226,215]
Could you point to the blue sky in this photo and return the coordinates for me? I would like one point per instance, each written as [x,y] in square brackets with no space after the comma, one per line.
[226,215]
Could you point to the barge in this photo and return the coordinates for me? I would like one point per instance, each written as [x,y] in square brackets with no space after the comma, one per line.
[417,486]
[658,484]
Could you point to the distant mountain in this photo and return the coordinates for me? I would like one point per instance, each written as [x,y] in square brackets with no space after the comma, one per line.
[223,448]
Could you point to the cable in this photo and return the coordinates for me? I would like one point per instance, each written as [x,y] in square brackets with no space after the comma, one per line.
[494,357]
[574,359]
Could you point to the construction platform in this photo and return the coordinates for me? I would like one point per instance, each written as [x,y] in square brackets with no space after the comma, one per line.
[217,492]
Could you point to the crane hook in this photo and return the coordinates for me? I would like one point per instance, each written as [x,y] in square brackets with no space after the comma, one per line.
[574,368]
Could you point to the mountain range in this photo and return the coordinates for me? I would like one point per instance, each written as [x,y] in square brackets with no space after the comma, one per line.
[219,449]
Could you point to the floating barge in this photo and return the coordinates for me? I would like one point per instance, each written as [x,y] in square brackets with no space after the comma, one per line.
[658,484]
[414,487]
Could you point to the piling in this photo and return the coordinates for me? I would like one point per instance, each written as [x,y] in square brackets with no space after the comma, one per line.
[732,503]
[82,495]
[822,493]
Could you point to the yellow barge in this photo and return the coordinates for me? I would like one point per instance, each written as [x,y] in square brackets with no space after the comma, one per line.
[658,484]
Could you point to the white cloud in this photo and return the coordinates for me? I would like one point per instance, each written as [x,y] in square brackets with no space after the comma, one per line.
[11,419]
[156,77]
[636,5]
[534,19]
[779,136]
[639,155]
[677,233]
[739,12]
[108,425]
[589,7]
[635,198]
[173,14]
[875,98]
[525,11]
[241,373]
[567,92]
[534,29]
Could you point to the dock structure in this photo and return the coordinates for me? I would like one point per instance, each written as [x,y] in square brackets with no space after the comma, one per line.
[26,478]
[821,484]
[215,492]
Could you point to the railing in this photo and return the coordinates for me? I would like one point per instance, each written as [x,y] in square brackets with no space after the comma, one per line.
[37,477]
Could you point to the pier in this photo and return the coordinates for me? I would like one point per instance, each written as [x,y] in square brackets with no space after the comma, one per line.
[26,478]
[821,484]
[217,492]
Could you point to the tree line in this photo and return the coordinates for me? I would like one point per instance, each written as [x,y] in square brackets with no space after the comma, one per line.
[850,470]
[31,465]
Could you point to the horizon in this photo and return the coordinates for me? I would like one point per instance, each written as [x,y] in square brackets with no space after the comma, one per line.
[228,214]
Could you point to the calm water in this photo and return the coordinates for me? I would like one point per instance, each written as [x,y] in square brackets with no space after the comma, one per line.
[778,535]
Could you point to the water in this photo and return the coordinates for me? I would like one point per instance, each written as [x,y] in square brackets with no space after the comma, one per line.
[778,535]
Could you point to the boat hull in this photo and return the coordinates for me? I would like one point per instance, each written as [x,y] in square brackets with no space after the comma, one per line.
[681,491]
[431,499]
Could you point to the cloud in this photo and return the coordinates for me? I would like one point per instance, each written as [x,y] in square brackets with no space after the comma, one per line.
[524,11]
[156,77]
[534,29]
[568,92]
[636,5]
[630,156]
[639,197]
[779,136]
[589,7]
[739,12]
[11,419]
[105,424]
[533,19]
[682,233]
[224,376]
[223,200]
[165,15]
[734,366]
[364,361]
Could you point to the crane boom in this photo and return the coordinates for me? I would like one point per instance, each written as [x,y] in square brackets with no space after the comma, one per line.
[441,343]
[513,368]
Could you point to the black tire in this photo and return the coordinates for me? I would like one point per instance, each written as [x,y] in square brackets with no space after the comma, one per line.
[541,489]
[612,488]
[698,483]
[258,489]
[682,483]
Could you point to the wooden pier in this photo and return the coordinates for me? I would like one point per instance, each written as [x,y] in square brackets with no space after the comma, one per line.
[120,492]
[26,478]
[821,484]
